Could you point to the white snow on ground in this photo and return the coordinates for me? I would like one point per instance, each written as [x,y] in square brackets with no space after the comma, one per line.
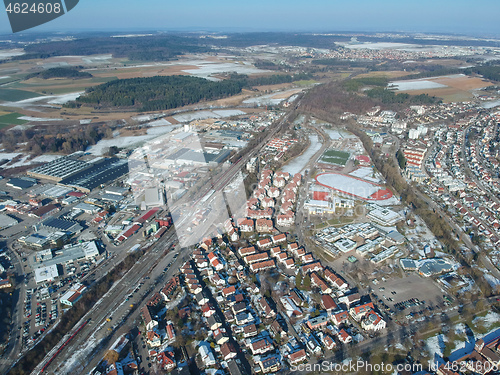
[399,346]
[365,173]
[37,119]
[160,122]
[4,77]
[24,161]
[492,104]
[349,185]
[208,68]
[51,99]
[333,134]
[415,85]
[300,162]
[436,345]
[159,130]
[228,112]
[80,356]
[62,99]
[199,115]
[9,155]
[122,142]
[490,318]
[380,45]
[263,100]
[234,143]
[492,280]
[5,54]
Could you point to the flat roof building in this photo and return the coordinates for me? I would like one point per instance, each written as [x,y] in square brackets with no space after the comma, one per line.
[7,221]
[58,169]
[21,183]
[46,274]
[61,225]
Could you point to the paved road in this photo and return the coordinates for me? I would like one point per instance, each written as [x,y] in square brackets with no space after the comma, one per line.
[113,303]
[13,349]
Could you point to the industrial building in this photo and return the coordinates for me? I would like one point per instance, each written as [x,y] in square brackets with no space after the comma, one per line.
[98,172]
[44,239]
[7,221]
[21,183]
[59,169]
[61,225]
[72,172]
[68,254]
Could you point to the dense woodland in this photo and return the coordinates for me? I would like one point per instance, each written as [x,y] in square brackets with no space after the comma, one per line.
[60,72]
[387,96]
[161,93]
[146,48]
[158,93]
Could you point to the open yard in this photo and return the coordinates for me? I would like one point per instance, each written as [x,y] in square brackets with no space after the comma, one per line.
[455,87]
[335,157]
[412,286]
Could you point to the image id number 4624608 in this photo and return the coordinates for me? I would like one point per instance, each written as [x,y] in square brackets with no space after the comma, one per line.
[25,8]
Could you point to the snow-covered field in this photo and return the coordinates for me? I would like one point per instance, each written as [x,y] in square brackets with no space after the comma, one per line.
[268,99]
[300,162]
[160,122]
[492,104]
[43,100]
[24,160]
[202,115]
[63,99]
[380,45]
[415,85]
[159,130]
[199,115]
[122,142]
[205,69]
[38,119]
[229,112]
[334,134]
[7,53]
[366,173]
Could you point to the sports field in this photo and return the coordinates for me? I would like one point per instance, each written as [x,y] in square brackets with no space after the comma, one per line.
[353,186]
[335,157]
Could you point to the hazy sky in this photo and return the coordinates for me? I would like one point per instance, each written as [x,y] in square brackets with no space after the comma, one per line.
[454,16]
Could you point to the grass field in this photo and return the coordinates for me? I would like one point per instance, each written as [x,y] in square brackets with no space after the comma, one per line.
[11,119]
[335,157]
[12,95]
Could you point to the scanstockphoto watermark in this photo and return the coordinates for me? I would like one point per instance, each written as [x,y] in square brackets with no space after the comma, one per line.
[355,367]
[199,210]
[26,14]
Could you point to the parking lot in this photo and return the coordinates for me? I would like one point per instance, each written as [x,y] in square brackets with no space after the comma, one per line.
[409,291]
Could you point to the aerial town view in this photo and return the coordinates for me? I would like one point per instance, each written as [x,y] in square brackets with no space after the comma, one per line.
[305,188]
